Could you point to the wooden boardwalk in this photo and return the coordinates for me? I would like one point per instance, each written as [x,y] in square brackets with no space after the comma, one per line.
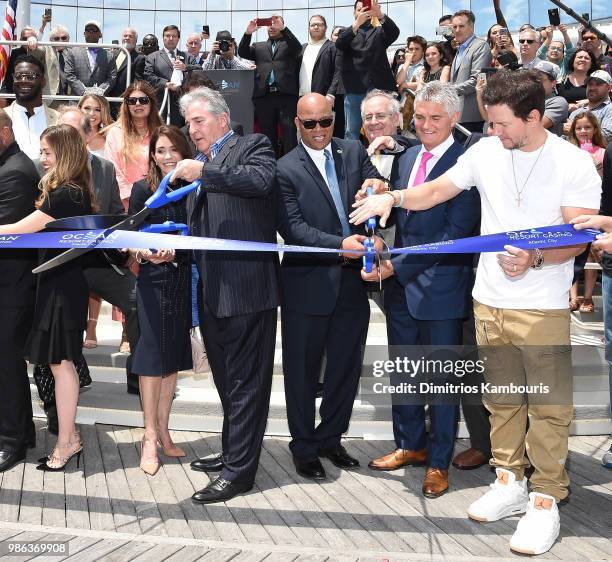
[110,510]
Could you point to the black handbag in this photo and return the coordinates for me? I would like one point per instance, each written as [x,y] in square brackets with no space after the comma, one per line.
[45,383]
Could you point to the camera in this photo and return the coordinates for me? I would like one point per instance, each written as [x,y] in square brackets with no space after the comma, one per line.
[225,45]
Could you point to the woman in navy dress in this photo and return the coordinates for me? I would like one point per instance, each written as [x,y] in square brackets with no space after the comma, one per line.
[60,314]
[163,291]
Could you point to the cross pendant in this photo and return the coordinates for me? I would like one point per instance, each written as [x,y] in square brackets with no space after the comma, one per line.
[518,200]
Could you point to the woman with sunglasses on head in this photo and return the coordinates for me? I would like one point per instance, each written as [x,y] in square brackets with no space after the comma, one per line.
[60,312]
[98,110]
[127,140]
[164,304]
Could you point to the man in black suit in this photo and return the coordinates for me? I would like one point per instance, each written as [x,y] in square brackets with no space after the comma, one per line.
[18,191]
[158,70]
[325,304]
[129,39]
[364,60]
[318,71]
[276,80]
[238,291]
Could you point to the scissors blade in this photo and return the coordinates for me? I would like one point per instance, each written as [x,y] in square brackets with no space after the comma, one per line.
[130,223]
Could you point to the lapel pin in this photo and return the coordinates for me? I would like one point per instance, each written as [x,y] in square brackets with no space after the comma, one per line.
[339,151]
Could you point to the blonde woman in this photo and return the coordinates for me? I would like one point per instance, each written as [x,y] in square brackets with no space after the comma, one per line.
[61,299]
[98,110]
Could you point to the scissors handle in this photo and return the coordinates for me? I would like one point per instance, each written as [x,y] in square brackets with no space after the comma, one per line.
[371,222]
[161,197]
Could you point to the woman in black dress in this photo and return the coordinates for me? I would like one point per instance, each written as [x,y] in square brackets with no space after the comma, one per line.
[60,314]
[164,304]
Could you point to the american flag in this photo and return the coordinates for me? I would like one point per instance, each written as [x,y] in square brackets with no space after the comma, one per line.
[8,33]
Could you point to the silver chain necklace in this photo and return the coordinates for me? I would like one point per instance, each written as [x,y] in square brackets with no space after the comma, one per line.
[519,192]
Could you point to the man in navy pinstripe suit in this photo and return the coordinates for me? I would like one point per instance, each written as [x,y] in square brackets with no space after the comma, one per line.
[238,291]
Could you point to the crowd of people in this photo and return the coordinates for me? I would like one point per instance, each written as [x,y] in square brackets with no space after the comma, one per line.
[455,138]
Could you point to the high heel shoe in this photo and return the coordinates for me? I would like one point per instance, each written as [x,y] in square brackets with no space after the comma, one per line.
[91,343]
[77,439]
[62,462]
[149,465]
[172,451]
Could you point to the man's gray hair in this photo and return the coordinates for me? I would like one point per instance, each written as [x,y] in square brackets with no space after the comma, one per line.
[215,101]
[440,92]
[59,30]
[394,104]
[85,122]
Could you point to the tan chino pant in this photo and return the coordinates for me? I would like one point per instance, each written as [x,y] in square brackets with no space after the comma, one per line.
[528,348]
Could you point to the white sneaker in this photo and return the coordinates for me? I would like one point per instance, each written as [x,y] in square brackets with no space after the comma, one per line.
[606,460]
[502,500]
[538,529]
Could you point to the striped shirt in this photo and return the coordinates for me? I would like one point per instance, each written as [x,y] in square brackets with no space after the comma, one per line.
[215,148]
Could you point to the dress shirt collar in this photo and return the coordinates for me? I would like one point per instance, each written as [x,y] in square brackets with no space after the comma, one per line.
[317,154]
[466,43]
[437,151]
[215,147]
[24,109]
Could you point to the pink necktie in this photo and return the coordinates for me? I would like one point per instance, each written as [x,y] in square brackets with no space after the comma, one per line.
[422,171]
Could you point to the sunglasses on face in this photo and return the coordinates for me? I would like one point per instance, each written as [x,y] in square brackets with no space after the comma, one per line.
[61,38]
[144,100]
[528,41]
[312,123]
[30,76]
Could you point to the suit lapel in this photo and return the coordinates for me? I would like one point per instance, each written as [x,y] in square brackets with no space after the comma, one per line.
[227,147]
[323,48]
[166,59]
[310,166]
[443,163]
[340,166]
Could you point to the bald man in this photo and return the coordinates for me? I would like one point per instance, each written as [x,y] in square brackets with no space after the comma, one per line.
[325,306]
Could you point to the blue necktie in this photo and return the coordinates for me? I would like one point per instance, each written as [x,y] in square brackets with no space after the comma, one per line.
[271,78]
[334,189]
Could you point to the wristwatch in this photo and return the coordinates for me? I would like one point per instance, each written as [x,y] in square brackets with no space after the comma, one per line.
[538,260]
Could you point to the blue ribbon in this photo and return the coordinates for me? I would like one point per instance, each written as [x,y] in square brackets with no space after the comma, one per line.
[544,237]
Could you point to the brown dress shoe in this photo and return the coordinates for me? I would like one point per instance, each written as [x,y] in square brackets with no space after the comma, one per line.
[399,458]
[435,483]
[470,459]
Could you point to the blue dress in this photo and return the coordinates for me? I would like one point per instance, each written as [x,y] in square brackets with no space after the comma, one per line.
[163,294]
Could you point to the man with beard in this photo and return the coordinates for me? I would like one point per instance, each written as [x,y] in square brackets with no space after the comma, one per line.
[18,191]
[30,116]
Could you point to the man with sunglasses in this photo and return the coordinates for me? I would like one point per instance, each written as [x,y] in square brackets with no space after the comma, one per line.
[91,66]
[325,307]
[29,114]
[529,43]
[592,43]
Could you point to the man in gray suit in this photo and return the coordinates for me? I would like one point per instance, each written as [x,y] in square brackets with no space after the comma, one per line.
[91,66]
[473,54]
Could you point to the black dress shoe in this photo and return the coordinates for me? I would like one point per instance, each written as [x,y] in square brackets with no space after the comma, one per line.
[312,469]
[9,457]
[209,464]
[339,457]
[220,490]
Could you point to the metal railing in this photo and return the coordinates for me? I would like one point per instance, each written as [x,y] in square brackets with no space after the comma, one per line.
[67,44]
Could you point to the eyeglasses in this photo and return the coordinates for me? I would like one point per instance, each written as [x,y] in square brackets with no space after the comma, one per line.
[589,38]
[30,76]
[379,116]
[528,41]
[92,30]
[144,100]
[555,49]
[60,38]
[325,123]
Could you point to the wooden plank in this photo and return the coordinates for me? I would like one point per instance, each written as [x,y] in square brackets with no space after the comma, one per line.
[447,512]
[53,500]
[353,517]
[129,551]
[75,545]
[312,558]
[98,498]
[315,518]
[77,505]
[188,554]
[98,551]
[398,514]
[167,502]
[26,537]
[158,552]
[250,556]
[242,513]
[323,512]
[176,470]
[226,527]
[220,555]
[10,493]
[30,510]
[122,506]
[149,517]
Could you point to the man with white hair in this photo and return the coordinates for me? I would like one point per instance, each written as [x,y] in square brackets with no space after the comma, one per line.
[428,296]
[238,291]
[129,39]
[529,43]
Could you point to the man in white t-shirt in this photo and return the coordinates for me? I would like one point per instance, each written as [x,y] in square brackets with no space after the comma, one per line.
[527,177]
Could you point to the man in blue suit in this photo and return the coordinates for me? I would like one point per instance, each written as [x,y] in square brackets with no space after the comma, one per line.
[429,295]
[324,301]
